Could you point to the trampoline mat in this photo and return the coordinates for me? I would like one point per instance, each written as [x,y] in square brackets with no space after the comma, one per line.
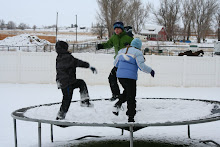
[150,112]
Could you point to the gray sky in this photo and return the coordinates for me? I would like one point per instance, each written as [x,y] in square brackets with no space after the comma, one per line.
[43,12]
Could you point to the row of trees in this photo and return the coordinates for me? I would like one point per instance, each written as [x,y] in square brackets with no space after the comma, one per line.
[131,12]
[12,25]
[198,16]
[179,17]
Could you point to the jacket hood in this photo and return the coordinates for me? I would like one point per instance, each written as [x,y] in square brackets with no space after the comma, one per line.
[61,47]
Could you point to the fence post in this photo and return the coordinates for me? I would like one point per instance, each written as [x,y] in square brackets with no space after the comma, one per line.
[184,70]
[19,67]
[73,48]
[95,46]
[217,69]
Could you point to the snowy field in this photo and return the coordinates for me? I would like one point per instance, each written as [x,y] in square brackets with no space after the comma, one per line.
[29,38]
[17,96]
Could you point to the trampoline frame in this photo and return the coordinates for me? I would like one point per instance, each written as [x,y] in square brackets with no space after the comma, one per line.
[18,114]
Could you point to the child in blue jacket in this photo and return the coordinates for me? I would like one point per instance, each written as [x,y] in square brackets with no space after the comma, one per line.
[127,62]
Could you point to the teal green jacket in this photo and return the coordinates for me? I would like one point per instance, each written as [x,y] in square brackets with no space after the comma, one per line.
[118,41]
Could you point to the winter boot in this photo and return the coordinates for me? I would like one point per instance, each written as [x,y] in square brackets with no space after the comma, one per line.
[131,119]
[61,115]
[116,108]
[86,103]
[114,97]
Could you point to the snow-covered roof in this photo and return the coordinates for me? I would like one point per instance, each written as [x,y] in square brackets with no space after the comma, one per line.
[151,29]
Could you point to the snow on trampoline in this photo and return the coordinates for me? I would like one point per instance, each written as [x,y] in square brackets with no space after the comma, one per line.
[149,111]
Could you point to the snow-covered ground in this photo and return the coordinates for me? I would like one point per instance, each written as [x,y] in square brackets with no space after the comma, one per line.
[15,96]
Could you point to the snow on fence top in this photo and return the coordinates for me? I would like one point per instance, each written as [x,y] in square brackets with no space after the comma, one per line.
[24,40]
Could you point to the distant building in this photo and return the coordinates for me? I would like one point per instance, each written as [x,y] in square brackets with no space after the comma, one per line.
[153,32]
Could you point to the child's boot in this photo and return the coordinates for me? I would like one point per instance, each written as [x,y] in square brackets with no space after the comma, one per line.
[117,108]
[114,97]
[61,115]
[131,119]
[86,103]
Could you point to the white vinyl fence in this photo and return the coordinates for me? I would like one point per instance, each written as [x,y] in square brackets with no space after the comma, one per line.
[39,67]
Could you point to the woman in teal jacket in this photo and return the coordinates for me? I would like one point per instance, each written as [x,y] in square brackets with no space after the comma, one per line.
[119,40]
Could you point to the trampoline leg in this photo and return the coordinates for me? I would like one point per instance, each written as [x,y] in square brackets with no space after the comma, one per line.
[51,132]
[122,131]
[188,131]
[39,134]
[131,135]
[15,132]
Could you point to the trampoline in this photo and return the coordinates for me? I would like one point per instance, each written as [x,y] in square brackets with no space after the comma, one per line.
[150,112]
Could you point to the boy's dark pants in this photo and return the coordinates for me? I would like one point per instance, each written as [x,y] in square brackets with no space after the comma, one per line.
[129,92]
[68,93]
[113,82]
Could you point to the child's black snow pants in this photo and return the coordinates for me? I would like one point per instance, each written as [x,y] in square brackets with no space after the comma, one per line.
[68,93]
[113,82]
[129,92]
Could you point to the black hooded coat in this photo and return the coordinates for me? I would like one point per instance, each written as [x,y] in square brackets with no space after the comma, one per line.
[66,65]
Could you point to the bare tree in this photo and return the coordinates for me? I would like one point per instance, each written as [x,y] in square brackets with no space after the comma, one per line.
[34,27]
[2,24]
[139,15]
[204,12]
[135,14]
[218,22]
[99,30]
[11,25]
[187,14]
[111,11]
[23,26]
[168,15]
[130,12]
[219,27]
[177,33]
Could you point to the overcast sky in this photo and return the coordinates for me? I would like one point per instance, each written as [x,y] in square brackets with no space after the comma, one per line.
[43,12]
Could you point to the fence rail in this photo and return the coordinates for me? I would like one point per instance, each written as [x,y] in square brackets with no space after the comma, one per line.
[91,48]
[73,48]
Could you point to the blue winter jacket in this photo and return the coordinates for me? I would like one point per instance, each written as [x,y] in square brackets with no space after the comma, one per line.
[129,63]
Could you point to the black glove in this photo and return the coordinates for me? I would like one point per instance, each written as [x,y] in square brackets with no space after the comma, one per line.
[152,73]
[93,70]
[99,46]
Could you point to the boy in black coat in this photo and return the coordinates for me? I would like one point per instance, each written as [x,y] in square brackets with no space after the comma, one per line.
[66,80]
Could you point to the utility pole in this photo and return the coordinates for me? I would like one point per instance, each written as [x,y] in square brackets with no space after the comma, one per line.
[76,28]
[56,26]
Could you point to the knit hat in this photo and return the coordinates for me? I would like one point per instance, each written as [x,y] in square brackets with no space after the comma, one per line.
[137,43]
[61,47]
[118,25]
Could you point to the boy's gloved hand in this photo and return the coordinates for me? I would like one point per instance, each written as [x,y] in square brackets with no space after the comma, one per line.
[93,70]
[152,73]
[99,46]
